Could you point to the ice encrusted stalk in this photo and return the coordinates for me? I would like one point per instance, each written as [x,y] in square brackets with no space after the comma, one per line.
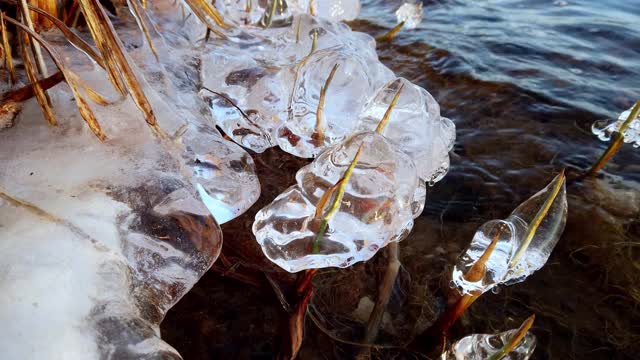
[521,245]
[619,137]
[517,344]
[507,251]
[409,15]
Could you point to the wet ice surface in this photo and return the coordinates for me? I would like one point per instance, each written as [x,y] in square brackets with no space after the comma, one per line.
[512,259]
[377,207]
[483,346]
[109,237]
[604,130]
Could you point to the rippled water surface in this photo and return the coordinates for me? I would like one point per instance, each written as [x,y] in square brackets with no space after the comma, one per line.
[524,81]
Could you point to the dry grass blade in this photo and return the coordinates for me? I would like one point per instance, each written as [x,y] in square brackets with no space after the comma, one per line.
[318,135]
[83,107]
[205,11]
[387,114]
[618,139]
[115,56]
[8,57]
[98,28]
[537,220]
[48,6]
[138,12]
[35,47]
[70,35]
[43,99]
[335,205]
[515,340]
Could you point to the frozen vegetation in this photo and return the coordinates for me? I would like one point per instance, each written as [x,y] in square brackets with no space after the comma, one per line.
[484,346]
[514,248]
[631,133]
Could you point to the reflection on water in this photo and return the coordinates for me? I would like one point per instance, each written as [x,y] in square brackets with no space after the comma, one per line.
[523,81]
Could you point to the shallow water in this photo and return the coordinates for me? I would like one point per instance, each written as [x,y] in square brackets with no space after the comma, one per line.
[523,81]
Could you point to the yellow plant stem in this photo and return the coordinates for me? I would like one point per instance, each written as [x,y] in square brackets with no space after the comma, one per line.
[515,339]
[537,220]
[41,96]
[319,128]
[8,58]
[387,114]
[392,33]
[35,47]
[335,205]
[617,141]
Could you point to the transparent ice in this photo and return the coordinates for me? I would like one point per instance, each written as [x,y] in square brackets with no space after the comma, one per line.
[355,80]
[410,14]
[605,130]
[510,234]
[415,126]
[335,10]
[483,346]
[377,207]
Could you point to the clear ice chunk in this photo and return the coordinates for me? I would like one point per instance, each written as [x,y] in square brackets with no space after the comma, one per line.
[604,130]
[483,346]
[415,126]
[335,10]
[514,253]
[221,171]
[377,207]
[305,133]
[249,100]
[410,14]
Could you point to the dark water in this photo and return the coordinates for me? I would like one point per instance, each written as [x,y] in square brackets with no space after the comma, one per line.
[523,81]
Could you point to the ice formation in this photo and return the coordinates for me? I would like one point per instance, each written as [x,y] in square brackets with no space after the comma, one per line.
[484,346]
[517,246]
[335,10]
[410,14]
[605,130]
[347,80]
[377,207]
[99,240]
[222,172]
[415,126]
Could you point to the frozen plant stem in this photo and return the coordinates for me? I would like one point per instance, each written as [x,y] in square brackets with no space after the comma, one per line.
[617,141]
[341,184]
[537,220]
[393,265]
[515,340]
[390,275]
[319,133]
[392,33]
